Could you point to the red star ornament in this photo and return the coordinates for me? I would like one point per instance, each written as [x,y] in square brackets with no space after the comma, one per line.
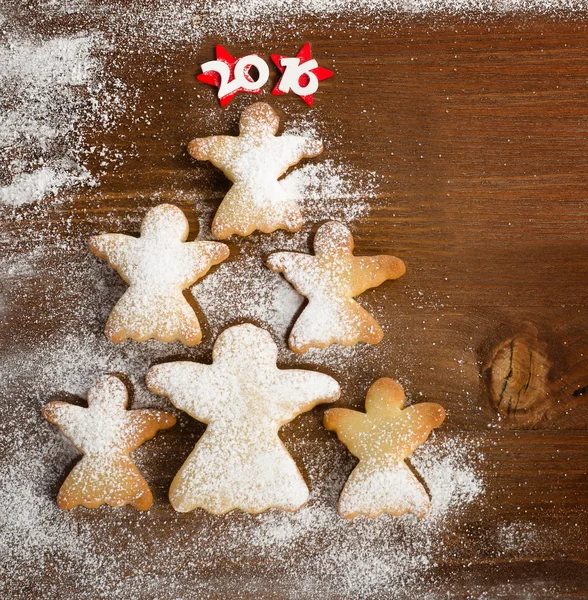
[231,75]
[300,74]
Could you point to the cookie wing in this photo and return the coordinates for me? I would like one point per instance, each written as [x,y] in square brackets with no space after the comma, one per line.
[297,391]
[114,248]
[421,419]
[203,255]
[190,386]
[296,267]
[218,149]
[290,149]
[311,147]
[349,425]
[145,423]
[372,271]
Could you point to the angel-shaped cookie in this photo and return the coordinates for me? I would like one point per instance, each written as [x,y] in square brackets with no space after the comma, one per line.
[158,266]
[254,161]
[106,433]
[382,438]
[330,279]
[240,462]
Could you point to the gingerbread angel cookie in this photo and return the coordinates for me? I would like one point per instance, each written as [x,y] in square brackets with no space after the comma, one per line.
[158,266]
[382,438]
[106,433]
[240,462]
[254,161]
[330,279]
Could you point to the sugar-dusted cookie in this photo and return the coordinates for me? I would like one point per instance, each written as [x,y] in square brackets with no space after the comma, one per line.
[330,279]
[106,433]
[158,266]
[254,161]
[240,462]
[382,438]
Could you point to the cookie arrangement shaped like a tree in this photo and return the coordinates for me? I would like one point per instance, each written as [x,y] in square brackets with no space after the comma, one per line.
[254,161]
[240,462]
[330,280]
[157,266]
[106,433]
[382,438]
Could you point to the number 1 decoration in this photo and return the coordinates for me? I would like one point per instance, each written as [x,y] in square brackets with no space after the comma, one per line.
[300,74]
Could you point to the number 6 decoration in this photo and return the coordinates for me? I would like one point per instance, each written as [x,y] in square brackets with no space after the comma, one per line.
[231,75]
[300,74]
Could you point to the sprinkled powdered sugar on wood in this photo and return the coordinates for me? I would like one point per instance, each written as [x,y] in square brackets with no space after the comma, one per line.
[367,556]
[398,550]
[46,114]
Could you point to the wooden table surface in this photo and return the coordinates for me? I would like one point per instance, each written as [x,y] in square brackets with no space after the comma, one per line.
[477,129]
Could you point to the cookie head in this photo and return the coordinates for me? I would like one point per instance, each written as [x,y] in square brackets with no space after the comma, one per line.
[333,238]
[245,343]
[108,392]
[259,120]
[384,397]
[165,221]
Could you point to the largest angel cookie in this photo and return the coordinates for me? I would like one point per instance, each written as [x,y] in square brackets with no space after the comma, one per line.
[158,266]
[240,462]
[254,161]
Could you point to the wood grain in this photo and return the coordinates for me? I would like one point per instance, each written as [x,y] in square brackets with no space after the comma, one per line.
[478,133]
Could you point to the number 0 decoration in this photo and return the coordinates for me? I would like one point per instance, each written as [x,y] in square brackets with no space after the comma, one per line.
[300,74]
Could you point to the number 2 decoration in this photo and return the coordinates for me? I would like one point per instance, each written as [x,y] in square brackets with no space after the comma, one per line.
[300,74]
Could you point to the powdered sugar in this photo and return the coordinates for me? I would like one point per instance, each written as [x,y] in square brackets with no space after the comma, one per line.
[369,558]
[448,468]
[245,286]
[331,190]
[50,96]
[46,181]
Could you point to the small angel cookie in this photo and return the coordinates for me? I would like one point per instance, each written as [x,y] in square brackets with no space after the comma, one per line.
[158,266]
[330,279]
[382,438]
[106,433]
[240,462]
[254,161]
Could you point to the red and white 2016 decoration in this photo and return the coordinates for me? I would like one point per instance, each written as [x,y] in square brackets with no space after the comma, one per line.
[300,74]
